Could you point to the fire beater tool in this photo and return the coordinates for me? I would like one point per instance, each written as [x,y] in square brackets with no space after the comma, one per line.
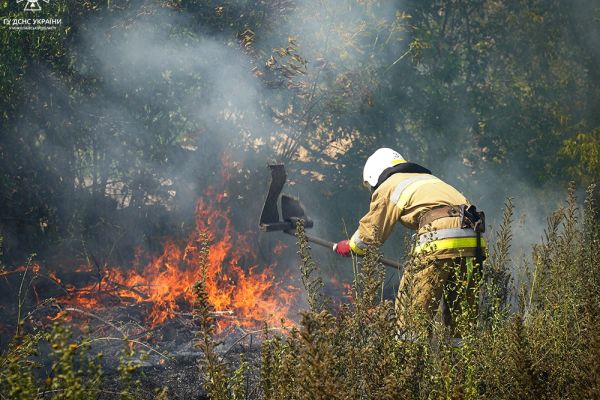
[291,212]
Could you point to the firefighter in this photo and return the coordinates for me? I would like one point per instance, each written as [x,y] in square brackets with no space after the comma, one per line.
[448,232]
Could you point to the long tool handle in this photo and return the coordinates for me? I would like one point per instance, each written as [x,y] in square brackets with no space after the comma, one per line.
[328,244]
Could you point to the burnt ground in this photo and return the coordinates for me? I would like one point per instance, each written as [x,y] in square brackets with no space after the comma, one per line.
[182,375]
[181,372]
[184,378]
[165,356]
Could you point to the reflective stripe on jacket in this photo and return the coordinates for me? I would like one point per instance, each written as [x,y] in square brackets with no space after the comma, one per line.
[447,239]
[404,197]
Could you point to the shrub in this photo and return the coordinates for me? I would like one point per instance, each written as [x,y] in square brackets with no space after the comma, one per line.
[548,347]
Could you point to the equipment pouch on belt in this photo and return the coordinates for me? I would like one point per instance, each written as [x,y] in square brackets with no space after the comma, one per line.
[471,218]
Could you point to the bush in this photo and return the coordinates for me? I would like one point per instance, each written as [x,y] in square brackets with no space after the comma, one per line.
[537,340]
[547,347]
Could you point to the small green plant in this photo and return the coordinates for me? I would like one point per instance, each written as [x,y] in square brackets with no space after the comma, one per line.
[220,383]
[311,280]
[547,348]
[17,365]
[216,383]
[71,371]
[74,374]
[129,379]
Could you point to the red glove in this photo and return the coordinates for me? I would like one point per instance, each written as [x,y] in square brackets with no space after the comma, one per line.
[342,248]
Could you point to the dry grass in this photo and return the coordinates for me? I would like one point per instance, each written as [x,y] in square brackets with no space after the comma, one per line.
[547,346]
[538,340]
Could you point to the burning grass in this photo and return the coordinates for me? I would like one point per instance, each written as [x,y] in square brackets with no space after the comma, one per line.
[536,338]
[244,292]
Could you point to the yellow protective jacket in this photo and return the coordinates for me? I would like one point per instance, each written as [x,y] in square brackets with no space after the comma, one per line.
[405,197]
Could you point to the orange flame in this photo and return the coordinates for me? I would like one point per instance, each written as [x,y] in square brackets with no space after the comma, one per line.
[246,296]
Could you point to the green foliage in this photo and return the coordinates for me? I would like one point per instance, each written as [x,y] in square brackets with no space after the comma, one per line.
[369,279]
[549,348]
[129,380]
[74,375]
[219,384]
[313,284]
[239,380]
[74,372]
[507,88]
[97,139]
[584,151]
[17,366]
[497,272]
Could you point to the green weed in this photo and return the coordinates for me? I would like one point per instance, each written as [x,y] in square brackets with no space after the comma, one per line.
[548,347]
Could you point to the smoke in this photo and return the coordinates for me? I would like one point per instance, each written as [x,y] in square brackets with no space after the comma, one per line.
[162,102]
[489,191]
[204,83]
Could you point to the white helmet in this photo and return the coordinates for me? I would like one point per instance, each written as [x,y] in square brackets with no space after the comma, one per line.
[379,161]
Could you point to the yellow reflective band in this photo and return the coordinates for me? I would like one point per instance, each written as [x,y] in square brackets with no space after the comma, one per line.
[355,247]
[396,162]
[449,244]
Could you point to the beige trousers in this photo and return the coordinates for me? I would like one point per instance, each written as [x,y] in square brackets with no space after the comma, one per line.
[425,284]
